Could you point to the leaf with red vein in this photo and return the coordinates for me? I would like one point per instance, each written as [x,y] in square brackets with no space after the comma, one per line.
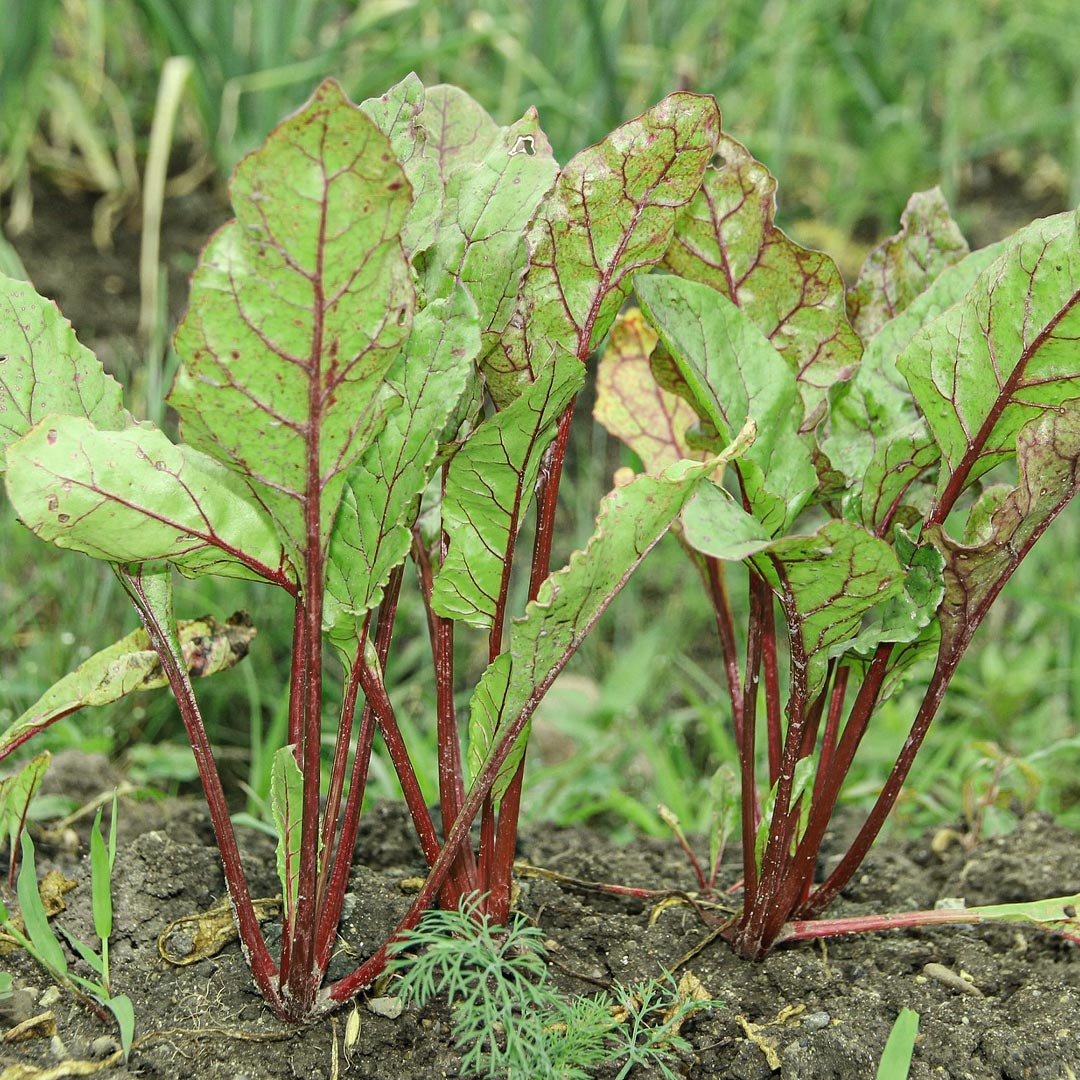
[298,310]
[488,489]
[494,178]
[734,373]
[726,238]
[398,115]
[372,531]
[1048,459]
[1003,355]
[632,406]
[904,266]
[45,371]
[632,520]
[612,212]
[132,496]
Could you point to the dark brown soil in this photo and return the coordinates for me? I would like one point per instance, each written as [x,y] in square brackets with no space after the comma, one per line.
[815,1011]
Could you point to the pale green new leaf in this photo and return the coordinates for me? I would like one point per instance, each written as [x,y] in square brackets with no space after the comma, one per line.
[45,371]
[1004,354]
[372,531]
[132,665]
[733,374]
[611,213]
[298,310]
[286,801]
[727,239]
[33,912]
[16,794]
[133,496]
[632,520]
[488,489]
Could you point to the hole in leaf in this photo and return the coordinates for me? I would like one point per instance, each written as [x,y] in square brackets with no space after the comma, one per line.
[51,437]
[53,503]
[63,518]
[524,144]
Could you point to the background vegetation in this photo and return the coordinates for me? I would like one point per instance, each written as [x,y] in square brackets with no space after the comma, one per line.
[852,105]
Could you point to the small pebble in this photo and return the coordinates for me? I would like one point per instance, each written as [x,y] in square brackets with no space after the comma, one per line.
[50,997]
[390,1007]
[815,1020]
[103,1046]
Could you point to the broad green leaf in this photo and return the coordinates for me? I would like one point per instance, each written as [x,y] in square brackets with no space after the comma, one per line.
[372,532]
[133,496]
[298,309]
[877,436]
[130,665]
[488,489]
[632,520]
[1048,459]
[632,405]
[398,116]
[45,371]
[903,267]
[494,180]
[726,238]
[16,794]
[735,374]
[612,212]
[826,583]
[32,910]
[286,801]
[715,524]
[1003,355]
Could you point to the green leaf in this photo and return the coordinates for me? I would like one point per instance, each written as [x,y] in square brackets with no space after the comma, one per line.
[133,496]
[399,116]
[714,524]
[1003,355]
[488,489]
[494,180]
[44,371]
[826,582]
[726,239]
[1048,459]
[298,309]
[733,374]
[121,1008]
[896,1058]
[632,520]
[130,665]
[904,266]
[17,792]
[612,212]
[372,532]
[878,438]
[101,880]
[35,920]
[286,801]
[631,404]
[803,777]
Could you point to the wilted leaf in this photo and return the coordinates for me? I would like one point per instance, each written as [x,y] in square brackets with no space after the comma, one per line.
[632,405]
[611,213]
[131,665]
[726,239]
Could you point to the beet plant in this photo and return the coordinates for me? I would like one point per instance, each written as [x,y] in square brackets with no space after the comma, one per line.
[916,435]
[379,366]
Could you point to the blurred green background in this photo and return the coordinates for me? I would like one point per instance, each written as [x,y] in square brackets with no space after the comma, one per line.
[113,159]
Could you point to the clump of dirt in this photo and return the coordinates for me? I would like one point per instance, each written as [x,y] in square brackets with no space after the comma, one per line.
[994,1001]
